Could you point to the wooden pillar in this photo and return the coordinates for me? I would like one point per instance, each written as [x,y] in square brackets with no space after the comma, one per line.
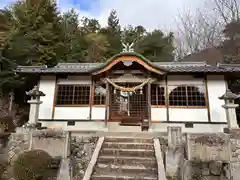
[149,103]
[92,88]
[55,97]
[167,98]
[206,98]
[107,103]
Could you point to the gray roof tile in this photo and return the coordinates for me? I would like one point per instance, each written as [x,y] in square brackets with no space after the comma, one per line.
[167,66]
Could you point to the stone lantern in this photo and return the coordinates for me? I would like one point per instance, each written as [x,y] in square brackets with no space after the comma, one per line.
[34,104]
[230,108]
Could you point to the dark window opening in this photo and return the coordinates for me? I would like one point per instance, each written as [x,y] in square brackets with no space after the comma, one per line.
[100,95]
[157,95]
[73,95]
[187,96]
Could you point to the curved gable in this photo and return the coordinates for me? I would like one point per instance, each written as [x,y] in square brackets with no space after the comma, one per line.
[127,59]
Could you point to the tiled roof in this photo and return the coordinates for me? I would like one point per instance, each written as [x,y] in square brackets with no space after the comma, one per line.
[230,67]
[60,68]
[190,67]
[166,66]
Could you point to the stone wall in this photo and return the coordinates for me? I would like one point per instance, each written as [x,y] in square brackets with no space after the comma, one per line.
[81,150]
[208,147]
[76,150]
[192,170]
[235,153]
[16,144]
[51,141]
[200,156]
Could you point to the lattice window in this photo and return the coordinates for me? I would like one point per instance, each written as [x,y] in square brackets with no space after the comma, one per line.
[157,95]
[73,95]
[99,98]
[187,96]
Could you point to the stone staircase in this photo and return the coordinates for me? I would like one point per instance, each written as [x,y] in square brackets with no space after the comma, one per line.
[126,158]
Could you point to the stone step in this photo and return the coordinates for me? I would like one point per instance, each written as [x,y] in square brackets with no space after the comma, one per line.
[131,134]
[128,160]
[127,152]
[128,139]
[119,176]
[136,168]
[128,145]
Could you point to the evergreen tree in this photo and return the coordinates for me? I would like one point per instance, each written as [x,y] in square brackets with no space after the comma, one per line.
[97,47]
[156,47]
[90,26]
[73,38]
[113,23]
[36,26]
[133,34]
[113,34]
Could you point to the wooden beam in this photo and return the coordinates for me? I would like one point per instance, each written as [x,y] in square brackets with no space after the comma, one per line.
[149,103]
[92,88]
[54,98]
[107,103]
[166,98]
[206,98]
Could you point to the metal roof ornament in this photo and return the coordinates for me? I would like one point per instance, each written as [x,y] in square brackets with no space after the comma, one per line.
[128,47]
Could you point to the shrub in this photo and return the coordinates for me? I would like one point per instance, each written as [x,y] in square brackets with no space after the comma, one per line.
[3,167]
[32,165]
[24,117]
[6,124]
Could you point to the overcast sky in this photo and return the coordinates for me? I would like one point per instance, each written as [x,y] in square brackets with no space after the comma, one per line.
[149,13]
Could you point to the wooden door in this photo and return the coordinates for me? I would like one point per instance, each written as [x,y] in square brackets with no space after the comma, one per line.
[124,106]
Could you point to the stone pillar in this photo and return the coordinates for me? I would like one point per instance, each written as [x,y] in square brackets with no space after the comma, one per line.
[34,111]
[231,115]
[34,104]
[174,154]
[174,137]
[230,108]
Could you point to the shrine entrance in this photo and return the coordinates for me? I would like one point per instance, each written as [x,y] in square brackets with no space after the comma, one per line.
[130,108]
[127,77]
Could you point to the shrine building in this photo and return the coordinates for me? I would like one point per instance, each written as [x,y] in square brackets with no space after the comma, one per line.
[130,93]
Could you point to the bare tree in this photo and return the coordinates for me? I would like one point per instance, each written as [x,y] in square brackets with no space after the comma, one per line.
[9,109]
[228,10]
[204,29]
[196,32]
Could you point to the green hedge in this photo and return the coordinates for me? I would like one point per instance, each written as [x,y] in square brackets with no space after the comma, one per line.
[32,165]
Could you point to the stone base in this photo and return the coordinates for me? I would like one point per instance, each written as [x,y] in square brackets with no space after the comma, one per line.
[115,127]
[64,171]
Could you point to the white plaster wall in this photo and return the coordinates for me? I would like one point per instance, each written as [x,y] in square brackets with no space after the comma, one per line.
[87,126]
[47,85]
[98,113]
[77,113]
[79,126]
[181,114]
[197,128]
[216,88]
[184,80]
[158,114]
[75,80]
